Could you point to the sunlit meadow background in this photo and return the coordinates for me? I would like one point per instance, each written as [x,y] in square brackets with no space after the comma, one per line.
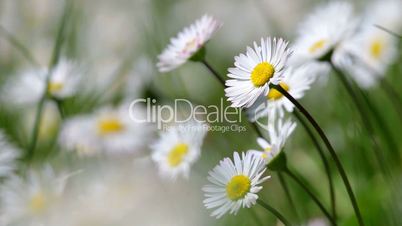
[117,43]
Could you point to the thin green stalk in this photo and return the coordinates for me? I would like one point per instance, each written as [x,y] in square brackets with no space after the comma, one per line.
[331,150]
[378,151]
[311,194]
[285,187]
[392,144]
[323,159]
[53,62]
[275,212]
[393,96]
[60,107]
[213,71]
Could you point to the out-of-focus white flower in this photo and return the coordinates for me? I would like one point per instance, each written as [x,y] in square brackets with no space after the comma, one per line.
[30,200]
[367,56]
[296,81]
[8,156]
[235,184]
[65,78]
[253,72]
[322,31]
[76,136]
[109,130]
[24,88]
[178,148]
[278,134]
[187,43]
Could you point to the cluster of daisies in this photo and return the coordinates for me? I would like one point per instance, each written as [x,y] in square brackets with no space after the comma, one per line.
[331,36]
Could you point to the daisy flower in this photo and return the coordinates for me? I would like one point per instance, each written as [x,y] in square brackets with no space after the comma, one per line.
[24,88]
[28,201]
[235,184]
[8,156]
[65,79]
[109,130]
[255,70]
[278,134]
[367,56]
[321,32]
[178,148]
[296,82]
[187,43]
[27,87]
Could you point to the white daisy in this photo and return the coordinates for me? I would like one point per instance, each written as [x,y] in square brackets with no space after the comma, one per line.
[278,134]
[255,70]
[27,87]
[178,148]
[322,31]
[28,201]
[8,156]
[367,56]
[187,43]
[235,184]
[296,82]
[64,79]
[109,130]
[24,88]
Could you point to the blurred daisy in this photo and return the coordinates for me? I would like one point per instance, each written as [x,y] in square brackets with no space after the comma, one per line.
[322,31]
[64,80]
[75,135]
[235,184]
[178,148]
[296,82]
[187,43]
[8,156]
[28,201]
[109,130]
[24,88]
[255,70]
[367,56]
[278,134]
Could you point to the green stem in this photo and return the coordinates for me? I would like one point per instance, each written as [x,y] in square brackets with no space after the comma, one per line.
[378,151]
[288,195]
[213,71]
[311,194]
[274,212]
[53,62]
[393,96]
[331,150]
[324,160]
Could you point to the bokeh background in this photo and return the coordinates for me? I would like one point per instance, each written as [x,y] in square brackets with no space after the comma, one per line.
[117,42]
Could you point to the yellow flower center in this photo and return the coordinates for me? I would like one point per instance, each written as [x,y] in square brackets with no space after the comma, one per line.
[238,187]
[317,45]
[37,203]
[55,87]
[376,48]
[177,154]
[274,94]
[110,125]
[262,73]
